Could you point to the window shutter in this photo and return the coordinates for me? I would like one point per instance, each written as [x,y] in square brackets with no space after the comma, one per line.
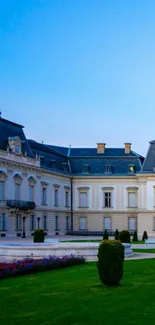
[83,199]
[132,223]
[132,199]
[82,223]
[107,223]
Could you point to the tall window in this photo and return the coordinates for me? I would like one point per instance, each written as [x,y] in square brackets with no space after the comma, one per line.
[17,191]
[57,223]
[132,200]
[2,222]
[44,194]
[31,193]
[83,223]
[83,199]
[107,223]
[1,190]
[45,222]
[67,222]
[107,199]
[32,220]
[18,222]
[56,197]
[132,223]
[66,198]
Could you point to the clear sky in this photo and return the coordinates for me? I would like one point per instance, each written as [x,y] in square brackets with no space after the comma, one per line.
[79,71]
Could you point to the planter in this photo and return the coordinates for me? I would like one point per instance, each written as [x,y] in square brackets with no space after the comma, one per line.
[128,250]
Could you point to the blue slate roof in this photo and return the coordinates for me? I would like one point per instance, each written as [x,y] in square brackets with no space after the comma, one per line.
[149,162]
[71,160]
[98,165]
[50,159]
[10,129]
[78,157]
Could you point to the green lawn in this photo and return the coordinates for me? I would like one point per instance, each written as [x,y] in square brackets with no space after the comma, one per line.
[144,250]
[76,296]
[95,241]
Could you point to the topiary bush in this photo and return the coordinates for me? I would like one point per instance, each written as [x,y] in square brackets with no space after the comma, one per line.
[105,235]
[39,236]
[135,236]
[110,262]
[145,236]
[124,236]
[116,234]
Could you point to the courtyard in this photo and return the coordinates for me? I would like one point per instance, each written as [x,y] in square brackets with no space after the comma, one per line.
[76,296]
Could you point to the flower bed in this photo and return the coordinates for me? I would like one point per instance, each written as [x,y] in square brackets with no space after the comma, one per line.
[30,265]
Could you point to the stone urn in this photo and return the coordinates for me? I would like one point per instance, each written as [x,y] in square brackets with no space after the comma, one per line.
[128,252]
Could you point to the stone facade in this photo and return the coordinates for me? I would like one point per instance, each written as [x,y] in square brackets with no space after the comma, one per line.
[69,201]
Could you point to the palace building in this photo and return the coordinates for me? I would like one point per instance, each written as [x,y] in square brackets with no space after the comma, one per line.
[73,190]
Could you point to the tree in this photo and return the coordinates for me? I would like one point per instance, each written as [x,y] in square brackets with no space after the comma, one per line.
[105,235]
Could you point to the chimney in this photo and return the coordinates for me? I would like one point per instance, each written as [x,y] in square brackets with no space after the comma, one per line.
[101,147]
[127,147]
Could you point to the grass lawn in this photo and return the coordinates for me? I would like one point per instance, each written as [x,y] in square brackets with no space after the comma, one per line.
[95,241]
[144,250]
[76,296]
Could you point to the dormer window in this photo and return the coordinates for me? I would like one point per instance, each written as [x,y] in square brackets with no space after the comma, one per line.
[86,169]
[52,163]
[14,145]
[108,169]
[132,168]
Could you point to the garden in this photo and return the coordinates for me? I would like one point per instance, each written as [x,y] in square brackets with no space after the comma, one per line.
[76,296]
[110,291]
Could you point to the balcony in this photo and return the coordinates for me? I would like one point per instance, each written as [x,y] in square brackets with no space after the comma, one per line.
[21,205]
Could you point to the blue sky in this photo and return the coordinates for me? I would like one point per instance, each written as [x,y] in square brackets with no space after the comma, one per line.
[79,71]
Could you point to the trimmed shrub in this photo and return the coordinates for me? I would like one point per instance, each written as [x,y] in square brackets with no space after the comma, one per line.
[110,262]
[116,234]
[124,236]
[135,237]
[145,236]
[39,236]
[105,235]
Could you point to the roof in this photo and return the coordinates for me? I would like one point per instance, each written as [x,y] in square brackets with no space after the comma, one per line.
[149,162]
[71,160]
[10,129]
[78,157]
[50,159]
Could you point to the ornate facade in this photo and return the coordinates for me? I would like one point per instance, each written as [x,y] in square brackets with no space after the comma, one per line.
[73,190]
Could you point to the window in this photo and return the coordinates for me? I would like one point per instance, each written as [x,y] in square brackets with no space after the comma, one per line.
[1,190]
[67,222]
[66,198]
[132,223]
[31,193]
[107,223]
[153,223]
[32,220]
[18,222]
[85,169]
[83,199]
[44,196]
[45,222]
[56,223]
[108,168]
[132,168]
[56,197]
[132,200]
[107,199]
[2,222]
[83,223]
[17,191]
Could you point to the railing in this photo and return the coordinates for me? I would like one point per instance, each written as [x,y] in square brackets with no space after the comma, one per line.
[21,205]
